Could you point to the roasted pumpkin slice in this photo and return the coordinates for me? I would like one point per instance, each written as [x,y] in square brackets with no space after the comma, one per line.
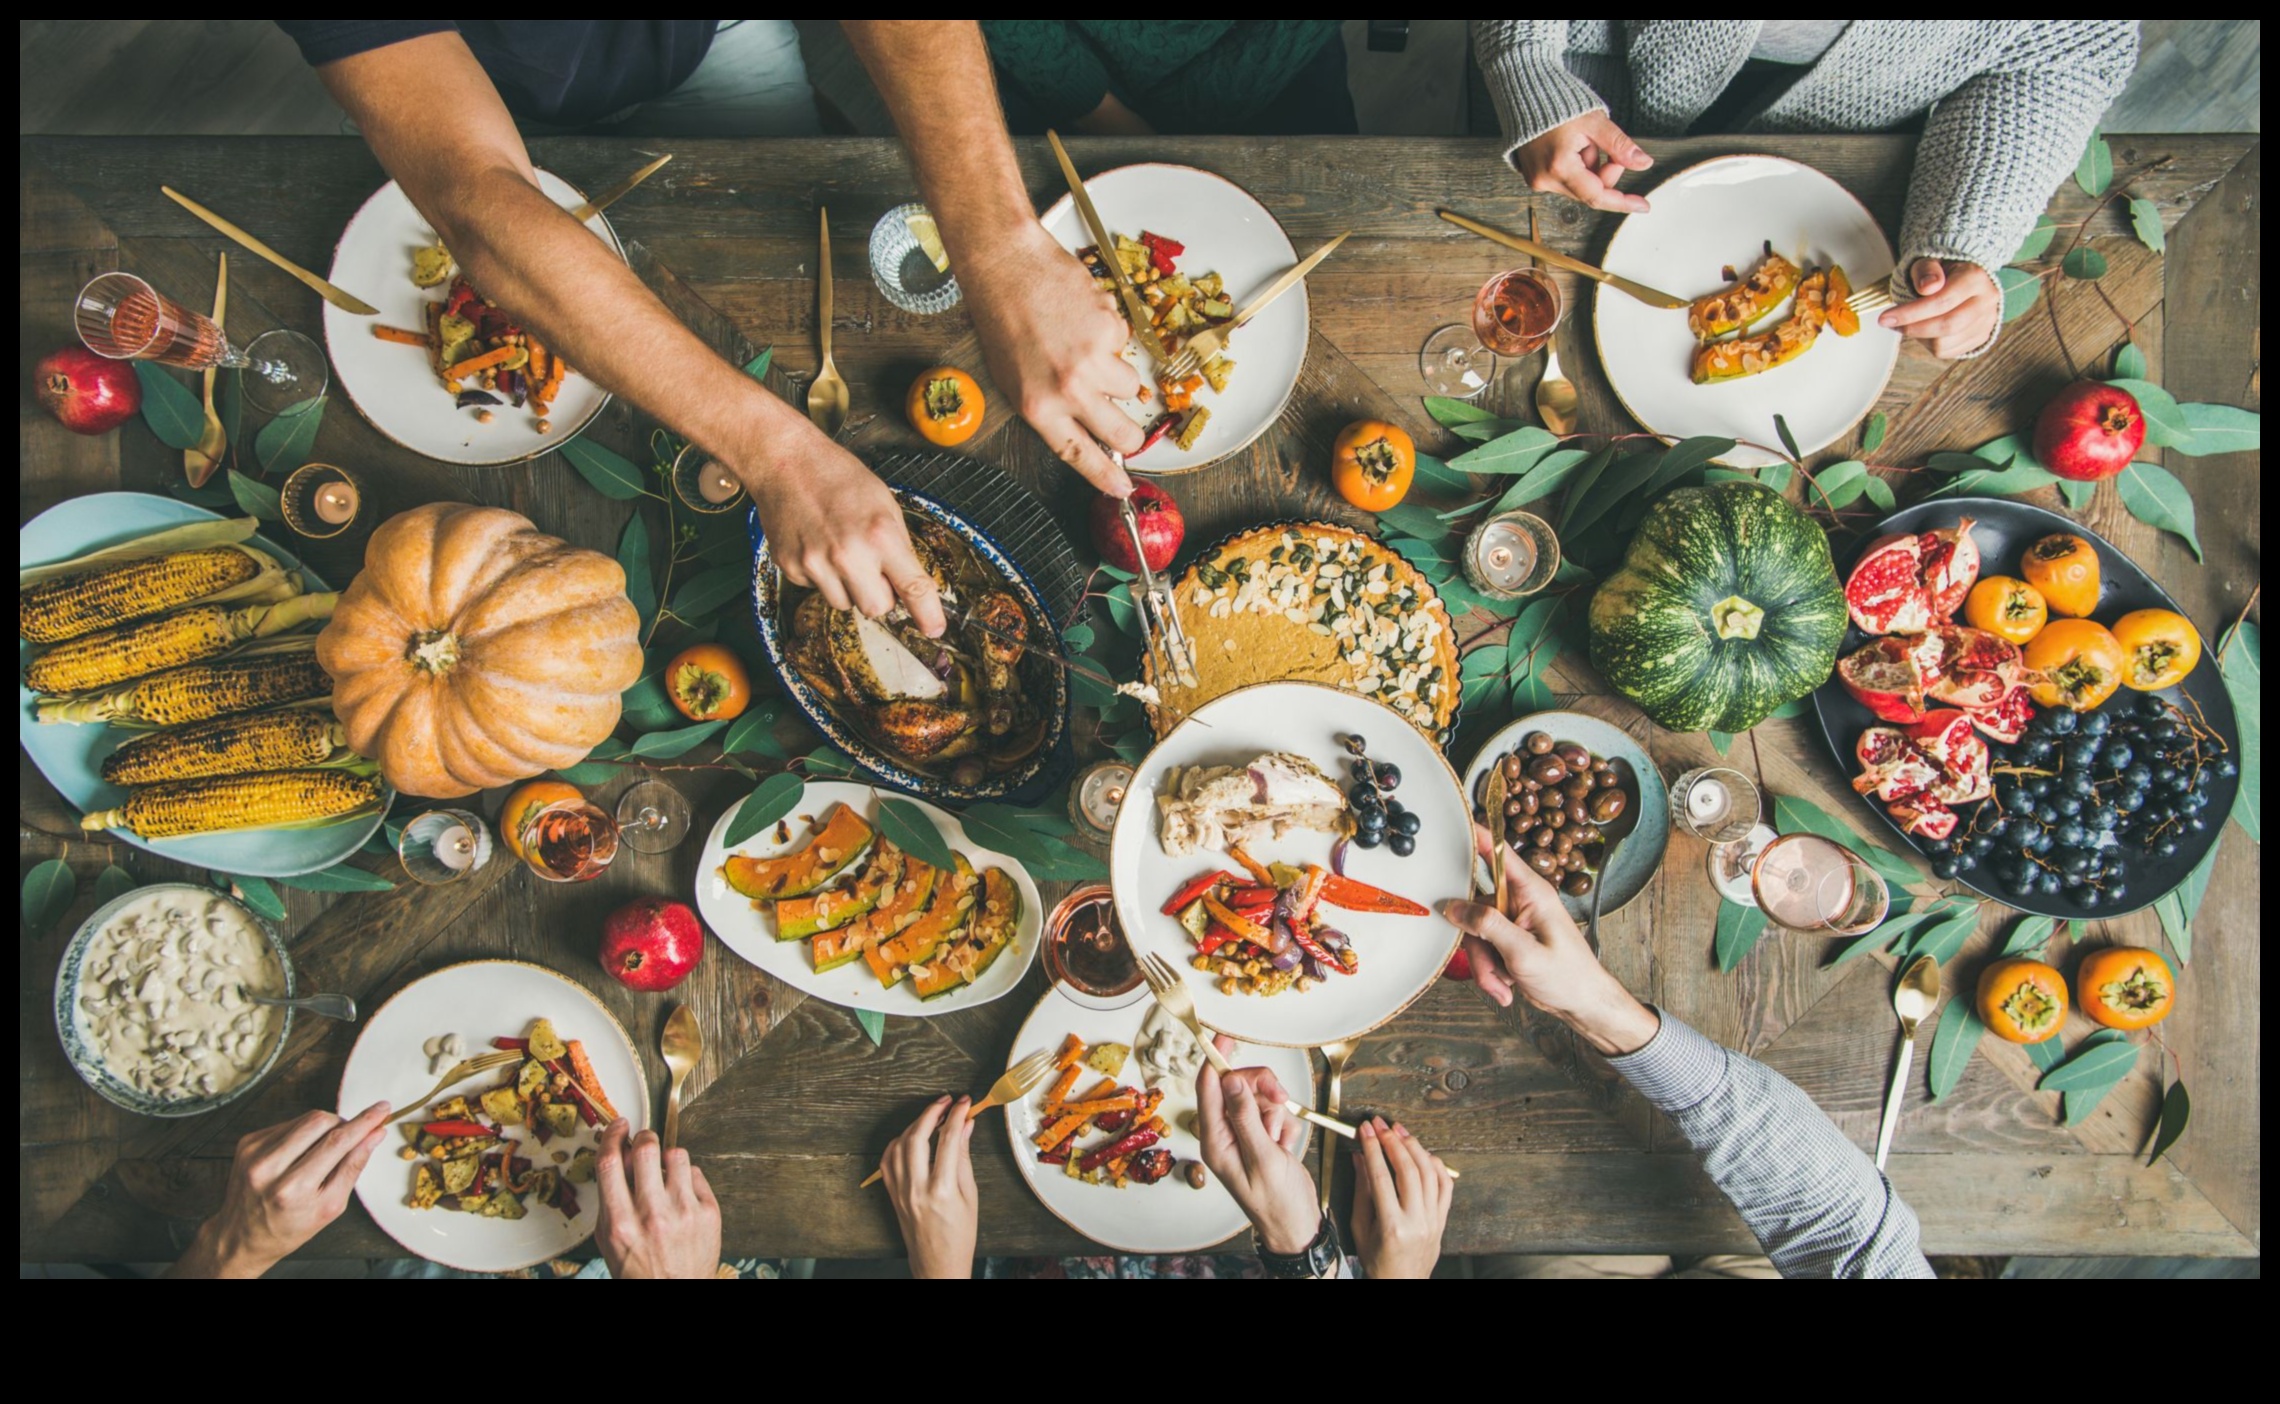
[798,918]
[901,905]
[1754,355]
[1744,302]
[889,959]
[825,856]
[998,917]
[1843,320]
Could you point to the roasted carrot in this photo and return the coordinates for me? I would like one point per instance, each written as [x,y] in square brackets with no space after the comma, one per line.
[1072,1052]
[1059,1131]
[1059,1091]
[538,363]
[591,1085]
[497,355]
[400,336]
[1105,1104]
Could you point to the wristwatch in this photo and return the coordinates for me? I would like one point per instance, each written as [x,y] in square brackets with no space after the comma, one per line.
[1319,1258]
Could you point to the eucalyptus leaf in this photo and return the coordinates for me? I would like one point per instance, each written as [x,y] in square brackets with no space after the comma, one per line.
[1548,476]
[1416,520]
[259,897]
[1872,433]
[2094,171]
[1121,611]
[1841,484]
[1997,482]
[633,556]
[2154,496]
[1857,946]
[907,827]
[1721,741]
[1077,637]
[1005,827]
[589,772]
[1510,453]
[874,1026]
[1729,475]
[2084,262]
[757,367]
[708,590]
[1434,473]
[1530,693]
[2029,937]
[2045,1055]
[1051,860]
[2165,423]
[2129,362]
[1890,930]
[2145,222]
[284,442]
[1788,440]
[1795,707]
[1943,939]
[1878,491]
[1528,630]
[646,695]
[2181,905]
[1954,1040]
[771,800]
[2020,289]
[171,411]
[2242,666]
[2219,429]
[1606,482]
[341,878]
[666,745]
[2078,495]
[1792,815]
[1909,941]
[113,883]
[1482,662]
[1481,431]
[754,734]
[1090,691]
[229,408]
[1449,413]
[1739,928]
[48,892]
[255,498]
[608,472]
[2100,1064]
[2037,240]
[1134,745]
[2176,1111]
[828,762]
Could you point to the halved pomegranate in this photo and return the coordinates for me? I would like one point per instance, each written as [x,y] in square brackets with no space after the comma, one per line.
[1906,584]
[1951,568]
[1925,816]
[2007,719]
[1977,668]
[1943,734]
[1887,676]
[1891,767]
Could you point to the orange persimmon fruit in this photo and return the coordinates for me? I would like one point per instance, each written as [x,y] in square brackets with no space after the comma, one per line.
[2125,987]
[1372,463]
[2079,664]
[708,683]
[2159,647]
[945,406]
[2065,568]
[2007,608]
[2021,1000]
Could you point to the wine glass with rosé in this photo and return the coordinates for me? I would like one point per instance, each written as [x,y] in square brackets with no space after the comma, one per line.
[1514,314]
[123,318]
[571,839]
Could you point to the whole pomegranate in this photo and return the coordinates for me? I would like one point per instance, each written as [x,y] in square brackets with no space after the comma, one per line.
[652,944]
[1162,528]
[2089,431]
[87,393]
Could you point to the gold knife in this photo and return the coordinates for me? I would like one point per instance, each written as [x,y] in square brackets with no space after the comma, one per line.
[1653,297]
[617,192]
[345,301]
[1135,311]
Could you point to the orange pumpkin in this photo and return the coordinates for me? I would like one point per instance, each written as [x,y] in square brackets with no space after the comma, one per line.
[2065,568]
[1372,463]
[2021,1000]
[2080,664]
[2007,608]
[474,650]
[708,683]
[2160,647]
[945,406]
[2125,987]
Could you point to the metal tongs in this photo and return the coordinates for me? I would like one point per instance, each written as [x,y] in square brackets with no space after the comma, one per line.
[1159,613]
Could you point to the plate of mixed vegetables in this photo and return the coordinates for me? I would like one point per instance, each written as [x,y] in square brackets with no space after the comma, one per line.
[495,1173]
[1196,247]
[442,370]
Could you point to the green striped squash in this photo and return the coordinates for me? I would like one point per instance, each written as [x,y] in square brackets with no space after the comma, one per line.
[1727,606]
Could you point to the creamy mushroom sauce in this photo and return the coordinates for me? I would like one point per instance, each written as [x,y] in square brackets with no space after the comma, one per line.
[162,995]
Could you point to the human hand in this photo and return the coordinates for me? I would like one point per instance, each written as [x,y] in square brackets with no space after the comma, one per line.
[1250,1141]
[1956,308]
[659,1217]
[1538,951]
[833,525]
[286,1182]
[930,1181]
[1401,1201]
[1055,341]
[1112,118]
[1582,158]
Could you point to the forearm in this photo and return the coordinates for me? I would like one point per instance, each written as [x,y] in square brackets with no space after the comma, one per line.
[1522,61]
[1816,1204]
[210,1254]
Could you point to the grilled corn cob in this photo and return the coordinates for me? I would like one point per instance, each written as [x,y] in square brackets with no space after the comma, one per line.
[186,636]
[280,740]
[264,801]
[72,605]
[219,687]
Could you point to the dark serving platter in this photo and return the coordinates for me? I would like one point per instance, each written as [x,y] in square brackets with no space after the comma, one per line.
[2003,529]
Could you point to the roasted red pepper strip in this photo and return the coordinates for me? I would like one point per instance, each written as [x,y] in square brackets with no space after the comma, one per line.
[519,1045]
[1234,921]
[1214,936]
[587,1112]
[1249,895]
[1259,871]
[1307,892]
[1157,428]
[1321,953]
[1194,888]
[454,1130]
[1138,1140]
[1361,897]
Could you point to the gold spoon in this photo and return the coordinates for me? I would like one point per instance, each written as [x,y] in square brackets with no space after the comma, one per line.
[1335,1055]
[200,460]
[827,398]
[1614,831]
[682,1045]
[1555,393]
[1918,991]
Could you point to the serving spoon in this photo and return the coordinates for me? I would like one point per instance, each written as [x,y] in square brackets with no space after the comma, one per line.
[683,1043]
[1614,831]
[331,1006]
[827,397]
[1912,1000]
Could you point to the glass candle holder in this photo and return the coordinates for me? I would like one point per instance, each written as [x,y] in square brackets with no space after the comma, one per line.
[321,500]
[704,485]
[1096,796]
[1715,803]
[1511,555]
[444,846]
[903,269]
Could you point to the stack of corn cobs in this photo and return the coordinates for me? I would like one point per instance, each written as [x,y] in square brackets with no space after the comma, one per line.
[200,644]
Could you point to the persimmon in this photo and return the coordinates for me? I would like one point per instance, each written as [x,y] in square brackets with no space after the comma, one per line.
[945,406]
[2078,662]
[2125,987]
[2021,1000]
[2006,607]
[2065,568]
[2159,646]
[524,802]
[1372,463]
[708,683]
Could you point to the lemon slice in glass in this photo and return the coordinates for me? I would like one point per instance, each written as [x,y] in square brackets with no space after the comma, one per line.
[922,228]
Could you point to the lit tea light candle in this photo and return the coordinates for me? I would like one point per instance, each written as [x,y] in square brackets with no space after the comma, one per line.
[1511,555]
[335,503]
[455,848]
[716,484]
[1707,801]
[1098,794]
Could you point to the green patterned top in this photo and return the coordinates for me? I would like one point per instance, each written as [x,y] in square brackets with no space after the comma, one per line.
[1221,71]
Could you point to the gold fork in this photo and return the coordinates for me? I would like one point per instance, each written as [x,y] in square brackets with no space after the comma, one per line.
[1014,1084]
[462,1070]
[1334,1055]
[1874,298]
[1172,992]
[1201,348]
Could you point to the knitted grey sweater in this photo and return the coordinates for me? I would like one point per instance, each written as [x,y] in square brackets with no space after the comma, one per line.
[2011,103]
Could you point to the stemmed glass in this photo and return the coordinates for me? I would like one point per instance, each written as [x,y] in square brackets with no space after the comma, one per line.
[123,318]
[1514,314]
[652,817]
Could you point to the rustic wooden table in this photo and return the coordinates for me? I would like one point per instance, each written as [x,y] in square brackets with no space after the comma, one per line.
[794,1102]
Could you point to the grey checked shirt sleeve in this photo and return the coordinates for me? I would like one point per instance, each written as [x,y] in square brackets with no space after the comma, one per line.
[1818,1206]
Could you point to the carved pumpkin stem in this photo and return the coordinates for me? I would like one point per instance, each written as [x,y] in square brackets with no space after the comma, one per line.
[433,651]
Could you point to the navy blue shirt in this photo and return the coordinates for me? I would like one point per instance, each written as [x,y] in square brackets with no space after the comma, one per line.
[562,72]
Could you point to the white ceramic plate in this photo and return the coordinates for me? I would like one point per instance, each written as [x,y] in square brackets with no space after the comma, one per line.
[1718,214]
[1169,1216]
[1400,955]
[751,932]
[70,754]
[1640,855]
[392,385]
[1228,232]
[482,1000]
